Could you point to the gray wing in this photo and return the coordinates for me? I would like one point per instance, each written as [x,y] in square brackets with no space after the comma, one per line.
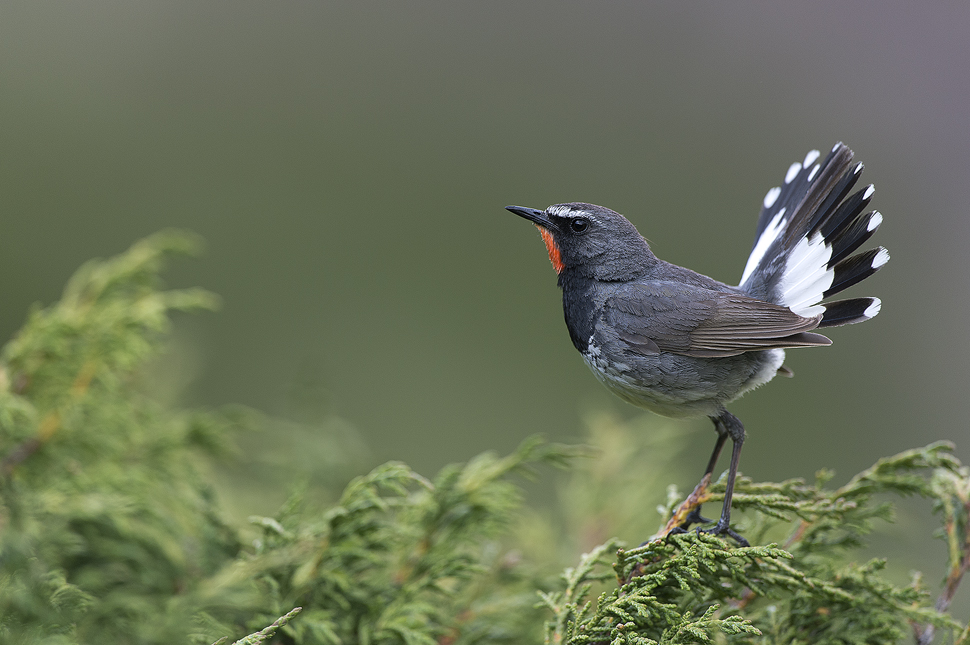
[695,321]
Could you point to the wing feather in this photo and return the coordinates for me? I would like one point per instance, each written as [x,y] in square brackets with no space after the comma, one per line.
[693,321]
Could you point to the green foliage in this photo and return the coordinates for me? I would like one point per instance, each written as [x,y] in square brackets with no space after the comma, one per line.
[104,517]
[400,559]
[110,531]
[686,588]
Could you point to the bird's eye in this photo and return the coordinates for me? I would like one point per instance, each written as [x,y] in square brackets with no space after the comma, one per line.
[579,224]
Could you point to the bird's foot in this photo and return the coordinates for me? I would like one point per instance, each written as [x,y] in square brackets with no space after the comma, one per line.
[689,513]
[723,527]
[694,517]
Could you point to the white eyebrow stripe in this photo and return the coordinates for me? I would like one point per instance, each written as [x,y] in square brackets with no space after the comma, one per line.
[567,212]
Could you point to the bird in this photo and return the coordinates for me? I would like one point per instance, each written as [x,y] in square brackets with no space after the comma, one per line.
[680,344]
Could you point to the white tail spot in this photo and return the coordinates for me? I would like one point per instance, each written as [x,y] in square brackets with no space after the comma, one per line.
[807,275]
[804,297]
[810,158]
[772,197]
[874,221]
[768,236]
[881,258]
[873,309]
[792,171]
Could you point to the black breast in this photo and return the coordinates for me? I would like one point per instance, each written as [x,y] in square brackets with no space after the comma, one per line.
[580,308]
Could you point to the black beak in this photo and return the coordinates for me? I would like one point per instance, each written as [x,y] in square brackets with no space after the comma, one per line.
[535,216]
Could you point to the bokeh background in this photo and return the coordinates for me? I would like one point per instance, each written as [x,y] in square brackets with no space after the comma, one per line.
[348,164]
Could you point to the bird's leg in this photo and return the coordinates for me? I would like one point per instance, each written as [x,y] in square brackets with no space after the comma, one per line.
[728,425]
[689,511]
[722,435]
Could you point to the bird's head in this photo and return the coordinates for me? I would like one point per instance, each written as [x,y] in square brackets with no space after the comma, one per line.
[590,241]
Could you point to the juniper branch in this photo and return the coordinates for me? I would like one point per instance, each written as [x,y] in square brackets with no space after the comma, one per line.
[665,585]
[262,635]
[952,491]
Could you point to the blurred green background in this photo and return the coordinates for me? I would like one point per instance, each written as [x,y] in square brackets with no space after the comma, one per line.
[348,164]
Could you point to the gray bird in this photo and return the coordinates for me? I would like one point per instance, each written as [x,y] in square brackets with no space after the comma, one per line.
[681,344]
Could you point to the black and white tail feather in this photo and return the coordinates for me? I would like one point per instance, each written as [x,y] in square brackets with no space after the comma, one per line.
[806,232]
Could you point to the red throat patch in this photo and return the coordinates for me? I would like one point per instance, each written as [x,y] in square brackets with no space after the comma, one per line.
[554,255]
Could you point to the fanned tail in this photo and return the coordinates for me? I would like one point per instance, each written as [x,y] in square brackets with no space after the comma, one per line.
[807,231]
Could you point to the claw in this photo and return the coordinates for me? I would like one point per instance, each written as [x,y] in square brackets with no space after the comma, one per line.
[677,530]
[725,529]
[694,517]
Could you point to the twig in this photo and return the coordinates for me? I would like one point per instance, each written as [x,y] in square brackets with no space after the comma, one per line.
[694,501]
[959,563]
[263,634]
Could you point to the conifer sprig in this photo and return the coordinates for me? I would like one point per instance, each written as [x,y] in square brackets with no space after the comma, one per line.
[110,531]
